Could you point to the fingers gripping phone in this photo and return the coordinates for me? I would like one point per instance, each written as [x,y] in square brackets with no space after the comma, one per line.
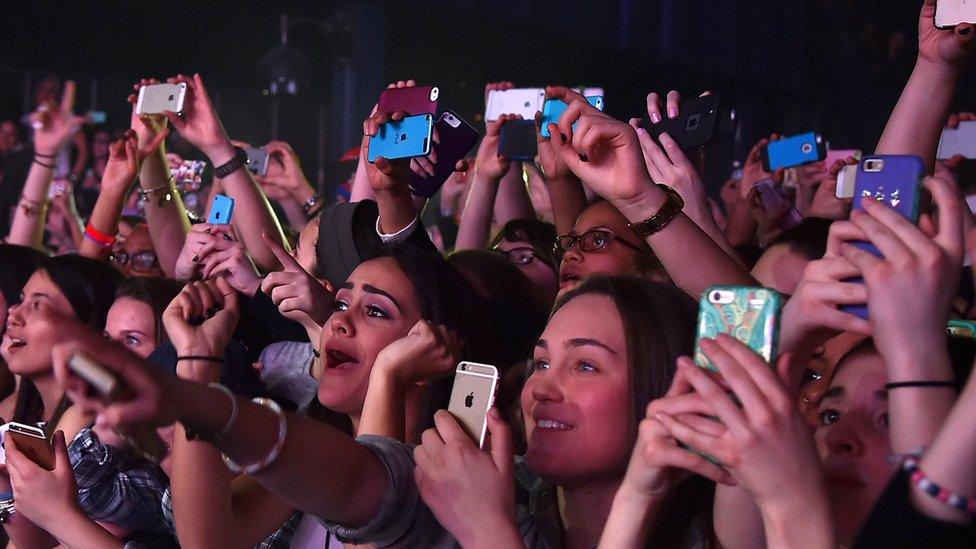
[457,138]
[472,396]
[221,210]
[518,141]
[773,199]
[749,314]
[794,151]
[697,123]
[257,160]
[407,138]
[156,98]
[33,443]
[415,100]
[523,101]
[554,108]
[895,180]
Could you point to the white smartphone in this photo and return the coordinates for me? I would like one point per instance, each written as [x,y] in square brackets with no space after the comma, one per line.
[472,396]
[960,141]
[949,13]
[523,101]
[845,182]
[257,160]
[156,98]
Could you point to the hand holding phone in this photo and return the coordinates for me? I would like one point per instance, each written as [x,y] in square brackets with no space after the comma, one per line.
[472,396]
[221,210]
[33,443]
[159,98]
[257,160]
[793,151]
[518,140]
[554,108]
[749,314]
[406,137]
[457,138]
[522,101]
[413,100]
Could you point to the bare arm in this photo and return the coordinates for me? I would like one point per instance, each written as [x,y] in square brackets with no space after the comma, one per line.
[27,226]
[83,150]
[475,227]
[565,189]
[120,173]
[512,200]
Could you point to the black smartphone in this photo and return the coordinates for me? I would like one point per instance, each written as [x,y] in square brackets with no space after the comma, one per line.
[518,140]
[698,122]
[457,138]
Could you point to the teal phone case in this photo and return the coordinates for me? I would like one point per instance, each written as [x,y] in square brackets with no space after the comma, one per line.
[748,314]
[408,138]
[554,108]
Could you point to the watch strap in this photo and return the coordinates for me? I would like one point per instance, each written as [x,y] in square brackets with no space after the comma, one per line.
[232,165]
[671,208]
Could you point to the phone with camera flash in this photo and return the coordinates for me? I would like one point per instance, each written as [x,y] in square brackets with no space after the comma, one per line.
[415,100]
[749,314]
[157,98]
[221,210]
[794,151]
[408,138]
[457,138]
[517,140]
[472,396]
[523,101]
[949,13]
[33,443]
[554,108]
[257,160]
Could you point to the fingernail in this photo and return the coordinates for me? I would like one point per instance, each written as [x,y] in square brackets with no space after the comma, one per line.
[208,230]
[641,131]
[563,137]
[493,412]
[584,158]
[672,112]
[655,117]
[195,258]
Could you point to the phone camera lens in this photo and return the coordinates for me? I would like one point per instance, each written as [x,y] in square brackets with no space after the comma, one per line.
[464,367]
[716,296]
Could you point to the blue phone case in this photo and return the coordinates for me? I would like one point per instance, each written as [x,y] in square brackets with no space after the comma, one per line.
[408,138]
[794,151]
[222,210]
[898,183]
[554,108]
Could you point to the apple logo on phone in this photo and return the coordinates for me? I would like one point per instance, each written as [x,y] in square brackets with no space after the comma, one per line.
[399,138]
[469,400]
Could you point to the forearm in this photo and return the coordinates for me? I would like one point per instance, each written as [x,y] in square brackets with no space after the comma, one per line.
[253,215]
[917,413]
[630,521]
[384,411]
[24,534]
[27,226]
[512,198]
[741,228]
[105,219]
[360,184]
[475,227]
[915,125]
[568,201]
[396,209]
[737,521]
[807,524]
[293,214]
[76,531]
[200,485]
[701,214]
[81,159]
[166,217]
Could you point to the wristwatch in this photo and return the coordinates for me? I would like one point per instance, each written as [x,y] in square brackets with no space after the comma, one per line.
[232,165]
[671,208]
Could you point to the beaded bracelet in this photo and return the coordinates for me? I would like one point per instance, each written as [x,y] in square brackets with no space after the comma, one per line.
[920,479]
[273,454]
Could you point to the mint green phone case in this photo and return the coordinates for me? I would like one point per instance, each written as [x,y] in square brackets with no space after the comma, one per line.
[748,314]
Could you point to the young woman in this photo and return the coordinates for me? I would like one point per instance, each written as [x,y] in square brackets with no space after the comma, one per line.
[19,263]
[527,243]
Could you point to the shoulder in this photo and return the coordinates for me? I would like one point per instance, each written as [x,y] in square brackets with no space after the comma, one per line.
[73,421]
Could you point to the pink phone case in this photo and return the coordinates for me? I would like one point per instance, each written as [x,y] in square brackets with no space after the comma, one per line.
[416,100]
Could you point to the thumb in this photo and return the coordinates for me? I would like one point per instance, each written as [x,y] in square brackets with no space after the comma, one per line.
[61,461]
[563,149]
[501,442]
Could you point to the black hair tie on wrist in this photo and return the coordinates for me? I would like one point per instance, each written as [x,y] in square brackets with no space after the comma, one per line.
[202,358]
[899,384]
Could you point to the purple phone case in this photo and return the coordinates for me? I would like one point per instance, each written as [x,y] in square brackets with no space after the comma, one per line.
[455,144]
[899,185]
[772,198]
[414,100]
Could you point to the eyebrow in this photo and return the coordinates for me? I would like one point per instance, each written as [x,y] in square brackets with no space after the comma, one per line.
[588,342]
[370,289]
[130,332]
[833,392]
[541,344]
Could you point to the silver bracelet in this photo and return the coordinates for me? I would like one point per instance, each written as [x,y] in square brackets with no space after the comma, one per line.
[275,451]
[232,420]
[6,509]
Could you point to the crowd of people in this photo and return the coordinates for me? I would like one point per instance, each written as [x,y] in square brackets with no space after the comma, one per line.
[297,363]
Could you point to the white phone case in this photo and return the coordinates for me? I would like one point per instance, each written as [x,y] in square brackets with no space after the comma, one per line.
[523,101]
[157,98]
[949,13]
[846,179]
[960,141]
[472,396]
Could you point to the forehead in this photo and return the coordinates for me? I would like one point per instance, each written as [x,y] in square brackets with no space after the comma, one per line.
[601,214]
[40,283]
[384,274]
[133,313]
[587,316]
[861,375]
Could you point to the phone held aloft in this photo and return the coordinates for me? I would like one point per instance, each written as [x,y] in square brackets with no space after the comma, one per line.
[407,138]
[960,141]
[794,151]
[749,314]
[472,396]
[143,440]
[521,101]
[158,98]
[457,138]
[257,160]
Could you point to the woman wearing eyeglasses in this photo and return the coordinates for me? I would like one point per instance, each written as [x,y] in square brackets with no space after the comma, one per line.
[527,244]
[135,255]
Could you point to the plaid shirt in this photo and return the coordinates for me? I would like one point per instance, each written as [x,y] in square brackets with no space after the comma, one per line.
[115,486]
[279,539]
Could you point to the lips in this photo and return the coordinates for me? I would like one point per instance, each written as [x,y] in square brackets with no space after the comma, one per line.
[569,277]
[338,360]
[549,418]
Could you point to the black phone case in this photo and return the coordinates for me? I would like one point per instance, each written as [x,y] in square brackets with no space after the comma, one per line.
[455,144]
[518,140]
[696,124]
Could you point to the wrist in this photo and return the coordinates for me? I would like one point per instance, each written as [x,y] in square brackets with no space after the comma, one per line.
[302,192]
[643,204]
[221,153]
[938,69]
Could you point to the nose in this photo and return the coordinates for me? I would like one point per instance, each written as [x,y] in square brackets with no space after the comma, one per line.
[341,324]
[573,253]
[844,437]
[13,315]
[545,387]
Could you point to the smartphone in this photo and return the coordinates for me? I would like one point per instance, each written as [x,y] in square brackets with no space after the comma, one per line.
[188,176]
[472,396]
[696,124]
[749,314]
[961,328]
[97,117]
[408,138]
[833,155]
[949,13]
[959,141]
[257,160]
[457,138]
[554,108]
[772,198]
[156,98]
[896,180]
[846,181]
[415,100]
[793,151]
[518,141]
[221,210]
[33,443]
[144,440]
[524,101]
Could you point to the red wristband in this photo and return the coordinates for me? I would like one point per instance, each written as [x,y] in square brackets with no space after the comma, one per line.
[98,236]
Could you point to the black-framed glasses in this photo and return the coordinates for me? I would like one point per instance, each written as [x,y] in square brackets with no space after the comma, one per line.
[523,255]
[590,241]
[142,261]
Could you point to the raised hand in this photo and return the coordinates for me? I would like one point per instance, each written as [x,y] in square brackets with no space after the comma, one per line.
[151,129]
[753,171]
[199,123]
[825,203]
[384,174]
[298,295]
[285,173]
[202,317]
[672,167]
[426,353]
[202,240]
[232,263]
[55,125]
[489,165]
[122,167]
[943,46]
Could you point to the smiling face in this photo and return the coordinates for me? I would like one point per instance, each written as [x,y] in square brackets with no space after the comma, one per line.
[376,306]
[577,403]
[616,258]
[132,323]
[853,440]
[31,331]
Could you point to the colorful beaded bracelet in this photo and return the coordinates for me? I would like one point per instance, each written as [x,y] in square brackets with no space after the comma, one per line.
[920,479]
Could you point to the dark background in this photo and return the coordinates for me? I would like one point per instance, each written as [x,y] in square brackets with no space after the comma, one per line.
[836,66]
